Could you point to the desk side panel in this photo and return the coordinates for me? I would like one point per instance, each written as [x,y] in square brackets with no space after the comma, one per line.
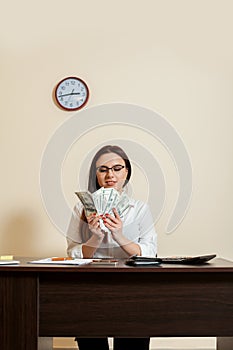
[18,311]
[142,304]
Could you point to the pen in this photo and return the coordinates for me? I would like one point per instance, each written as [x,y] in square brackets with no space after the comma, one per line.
[62,259]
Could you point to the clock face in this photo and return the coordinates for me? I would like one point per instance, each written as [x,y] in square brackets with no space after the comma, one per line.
[71,93]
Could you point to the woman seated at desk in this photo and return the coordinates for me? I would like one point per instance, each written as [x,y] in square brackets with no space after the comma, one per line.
[122,235]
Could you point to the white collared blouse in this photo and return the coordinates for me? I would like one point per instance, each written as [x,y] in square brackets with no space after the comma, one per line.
[138,227]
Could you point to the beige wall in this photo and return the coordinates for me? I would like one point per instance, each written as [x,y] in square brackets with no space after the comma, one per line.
[174,57]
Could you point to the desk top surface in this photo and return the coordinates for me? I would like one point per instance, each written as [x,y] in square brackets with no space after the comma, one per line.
[215,265]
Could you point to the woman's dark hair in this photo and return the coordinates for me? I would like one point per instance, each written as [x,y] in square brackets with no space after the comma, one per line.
[92,182]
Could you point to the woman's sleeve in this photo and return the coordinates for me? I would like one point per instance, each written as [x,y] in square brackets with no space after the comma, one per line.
[148,236]
[73,237]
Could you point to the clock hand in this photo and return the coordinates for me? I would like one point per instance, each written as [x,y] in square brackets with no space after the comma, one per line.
[72,93]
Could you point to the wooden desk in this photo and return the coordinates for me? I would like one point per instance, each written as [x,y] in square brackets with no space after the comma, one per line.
[69,301]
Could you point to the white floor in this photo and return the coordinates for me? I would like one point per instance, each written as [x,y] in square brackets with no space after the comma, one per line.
[155,344]
[150,349]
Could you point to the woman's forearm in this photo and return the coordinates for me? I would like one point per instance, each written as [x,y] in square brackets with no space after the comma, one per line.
[128,246]
[89,248]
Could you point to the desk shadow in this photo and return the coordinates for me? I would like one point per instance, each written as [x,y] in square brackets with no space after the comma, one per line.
[18,234]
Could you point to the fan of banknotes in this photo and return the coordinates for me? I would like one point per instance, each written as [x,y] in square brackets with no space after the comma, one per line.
[103,201]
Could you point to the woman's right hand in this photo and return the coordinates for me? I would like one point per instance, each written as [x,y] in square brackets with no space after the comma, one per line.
[89,248]
[94,225]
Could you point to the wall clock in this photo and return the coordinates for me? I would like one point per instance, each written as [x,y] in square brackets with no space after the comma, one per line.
[71,94]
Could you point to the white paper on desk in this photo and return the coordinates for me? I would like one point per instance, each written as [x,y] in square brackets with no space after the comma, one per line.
[9,262]
[62,262]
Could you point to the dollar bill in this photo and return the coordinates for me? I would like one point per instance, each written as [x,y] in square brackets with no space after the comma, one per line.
[122,204]
[97,198]
[106,196]
[87,201]
[111,200]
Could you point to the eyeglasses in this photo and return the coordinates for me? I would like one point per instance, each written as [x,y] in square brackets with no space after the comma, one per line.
[105,169]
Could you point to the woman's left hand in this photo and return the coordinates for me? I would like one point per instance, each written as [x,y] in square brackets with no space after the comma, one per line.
[114,224]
